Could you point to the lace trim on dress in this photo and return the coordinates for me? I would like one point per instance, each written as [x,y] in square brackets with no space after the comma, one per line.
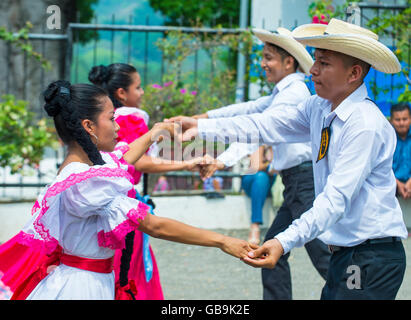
[114,239]
[46,242]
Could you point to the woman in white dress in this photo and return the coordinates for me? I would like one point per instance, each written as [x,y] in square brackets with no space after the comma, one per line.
[82,217]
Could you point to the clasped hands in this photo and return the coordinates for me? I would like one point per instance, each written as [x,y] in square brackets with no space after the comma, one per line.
[185,129]
[182,129]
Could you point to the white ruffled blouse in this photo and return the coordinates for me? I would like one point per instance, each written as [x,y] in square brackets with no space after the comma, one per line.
[87,210]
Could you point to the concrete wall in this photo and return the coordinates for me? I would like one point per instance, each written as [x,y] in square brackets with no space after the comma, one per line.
[232,212]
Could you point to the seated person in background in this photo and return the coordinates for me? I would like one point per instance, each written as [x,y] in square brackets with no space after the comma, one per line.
[213,185]
[257,187]
[162,184]
[401,121]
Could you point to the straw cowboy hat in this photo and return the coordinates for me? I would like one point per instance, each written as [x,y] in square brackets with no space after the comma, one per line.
[351,40]
[282,38]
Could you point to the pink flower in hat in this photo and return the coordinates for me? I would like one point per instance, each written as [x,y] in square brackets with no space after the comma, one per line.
[157,86]
[183,91]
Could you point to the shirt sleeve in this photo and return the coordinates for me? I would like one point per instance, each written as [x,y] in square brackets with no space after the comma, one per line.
[236,109]
[235,152]
[354,163]
[283,124]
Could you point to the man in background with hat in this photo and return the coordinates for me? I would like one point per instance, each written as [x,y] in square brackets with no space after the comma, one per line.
[282,57]
[355,211]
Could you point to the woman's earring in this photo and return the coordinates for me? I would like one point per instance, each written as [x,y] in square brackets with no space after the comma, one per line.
[95,137]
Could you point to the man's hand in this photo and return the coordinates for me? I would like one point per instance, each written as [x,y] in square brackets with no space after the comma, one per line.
[402,189]
[200,116]
[265,256]
[408,189]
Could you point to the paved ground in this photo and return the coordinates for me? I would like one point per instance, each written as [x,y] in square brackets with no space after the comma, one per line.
[199,273]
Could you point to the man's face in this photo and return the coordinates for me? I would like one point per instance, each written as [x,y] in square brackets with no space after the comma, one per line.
[401,121]
[330,75]
[273,65]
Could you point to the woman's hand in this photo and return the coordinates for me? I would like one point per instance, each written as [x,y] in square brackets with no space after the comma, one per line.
[237,247]
[165,129]
[209,165]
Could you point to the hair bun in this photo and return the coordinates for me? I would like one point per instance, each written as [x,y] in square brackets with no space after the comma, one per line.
[99,74]
[56,97]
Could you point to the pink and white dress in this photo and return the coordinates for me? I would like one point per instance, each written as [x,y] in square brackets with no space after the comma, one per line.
[133,124]
[84,213]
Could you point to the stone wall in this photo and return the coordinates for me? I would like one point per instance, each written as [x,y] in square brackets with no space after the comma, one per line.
[23,76]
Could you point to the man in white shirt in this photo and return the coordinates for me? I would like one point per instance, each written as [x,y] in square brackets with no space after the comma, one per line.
[355,211]
[282,56]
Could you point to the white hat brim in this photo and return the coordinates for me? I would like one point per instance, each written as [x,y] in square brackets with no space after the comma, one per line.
[361,47]
[289,44]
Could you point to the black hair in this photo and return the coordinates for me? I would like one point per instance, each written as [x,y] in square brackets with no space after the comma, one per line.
[284,54]
[111,78]
[69,105]
[350,61]
[400,107]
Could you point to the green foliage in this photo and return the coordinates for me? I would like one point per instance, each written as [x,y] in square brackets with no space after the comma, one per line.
[22,139]
[396,26]
[20,40]
[179,94]
[209,13]
[85,14]
[406,95]
[321,11]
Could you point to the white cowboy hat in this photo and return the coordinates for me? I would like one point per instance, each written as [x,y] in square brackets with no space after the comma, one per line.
[351,40]
[282,38]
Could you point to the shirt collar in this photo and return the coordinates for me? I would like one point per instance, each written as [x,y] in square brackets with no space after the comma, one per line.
[284,82]
[344,110]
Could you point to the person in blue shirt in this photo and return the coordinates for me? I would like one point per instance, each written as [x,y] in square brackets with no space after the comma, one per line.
[401,121]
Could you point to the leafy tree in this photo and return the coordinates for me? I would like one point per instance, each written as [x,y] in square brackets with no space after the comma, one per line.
[397,25]
[187,12]
[23,138]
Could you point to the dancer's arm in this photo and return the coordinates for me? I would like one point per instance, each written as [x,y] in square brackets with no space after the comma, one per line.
[139,146]
[150,164]
[172,230]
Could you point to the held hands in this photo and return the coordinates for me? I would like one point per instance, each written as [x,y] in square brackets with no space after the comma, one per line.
[188,125]
[265,256]
[404,189]
[237,247]
[208,166]
[166,129]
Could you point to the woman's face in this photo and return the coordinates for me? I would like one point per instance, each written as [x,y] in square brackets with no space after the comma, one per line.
[105,128]
[134,92]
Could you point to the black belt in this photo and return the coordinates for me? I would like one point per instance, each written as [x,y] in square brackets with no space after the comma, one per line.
[333,248]
[296,169]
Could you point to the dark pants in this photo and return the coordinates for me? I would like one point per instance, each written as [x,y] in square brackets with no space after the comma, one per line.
[366,271]
[298,198]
